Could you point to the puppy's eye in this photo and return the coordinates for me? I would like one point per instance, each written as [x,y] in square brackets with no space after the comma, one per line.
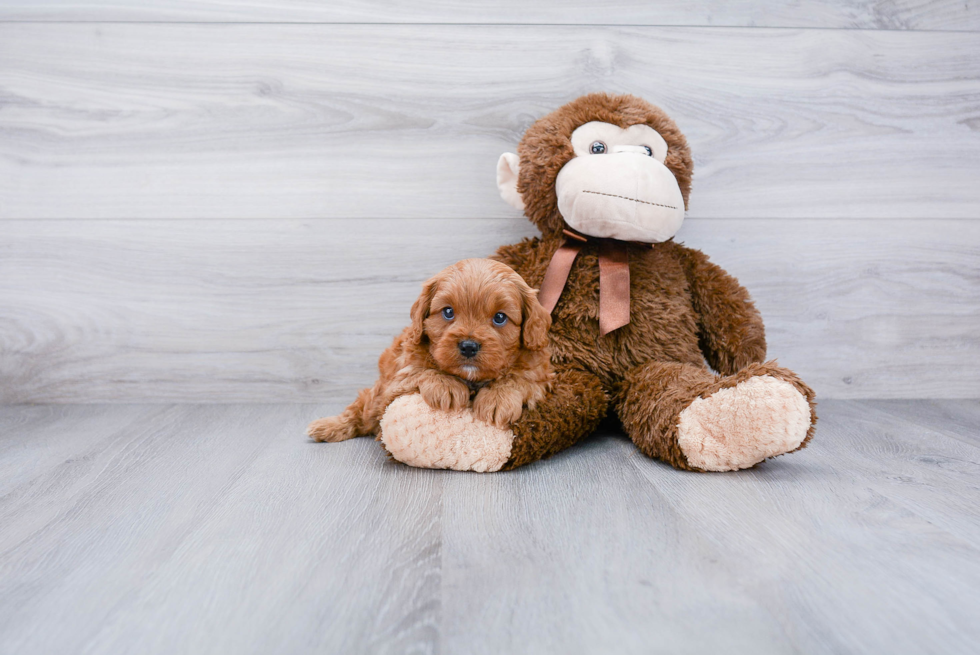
[649,150]
[499,319]
[597,147]
[448,314]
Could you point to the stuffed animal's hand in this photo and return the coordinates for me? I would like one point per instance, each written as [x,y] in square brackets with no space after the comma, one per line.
[416,434]
[499,404]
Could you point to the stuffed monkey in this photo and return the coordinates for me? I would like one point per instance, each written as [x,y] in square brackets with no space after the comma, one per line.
[637,318]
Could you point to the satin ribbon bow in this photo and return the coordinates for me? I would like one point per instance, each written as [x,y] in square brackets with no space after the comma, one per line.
[614,279]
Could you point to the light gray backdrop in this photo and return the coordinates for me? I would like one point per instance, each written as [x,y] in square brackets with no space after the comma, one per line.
[225,201]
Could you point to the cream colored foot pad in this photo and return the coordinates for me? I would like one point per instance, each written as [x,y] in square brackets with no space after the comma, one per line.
[737,428]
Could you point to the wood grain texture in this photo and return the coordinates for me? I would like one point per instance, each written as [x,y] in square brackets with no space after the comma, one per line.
[960,420]
[867,14]
[189,518]
[335,121]
[889,447]
[221,529]
[832,533]
[292,311]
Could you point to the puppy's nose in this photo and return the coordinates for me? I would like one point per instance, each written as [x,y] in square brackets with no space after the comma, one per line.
[468,348]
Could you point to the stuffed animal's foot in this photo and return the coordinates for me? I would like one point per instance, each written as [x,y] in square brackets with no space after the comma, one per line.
[738,427]
[418,435]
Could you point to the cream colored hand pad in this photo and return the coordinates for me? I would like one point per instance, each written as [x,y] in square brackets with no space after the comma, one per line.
[737,428]
[417,435]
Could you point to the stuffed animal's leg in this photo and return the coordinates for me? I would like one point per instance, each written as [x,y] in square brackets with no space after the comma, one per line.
[695,420]
[360,419]
[569,412]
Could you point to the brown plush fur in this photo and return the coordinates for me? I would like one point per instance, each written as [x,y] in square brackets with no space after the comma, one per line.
[685,311]
[511,369]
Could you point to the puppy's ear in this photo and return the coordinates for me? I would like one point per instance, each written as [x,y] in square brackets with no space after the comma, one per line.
[420,309]
[537,321]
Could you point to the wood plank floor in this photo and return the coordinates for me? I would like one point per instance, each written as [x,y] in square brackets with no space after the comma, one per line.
[219,528]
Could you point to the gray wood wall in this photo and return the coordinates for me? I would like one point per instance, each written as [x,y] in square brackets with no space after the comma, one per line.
[225,201]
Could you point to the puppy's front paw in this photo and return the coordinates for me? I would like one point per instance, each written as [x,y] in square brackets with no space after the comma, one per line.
[330,429]
[443,392]
[500,405]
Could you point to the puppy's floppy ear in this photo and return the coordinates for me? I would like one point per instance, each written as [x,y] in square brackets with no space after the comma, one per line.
[537,321]
[420,309]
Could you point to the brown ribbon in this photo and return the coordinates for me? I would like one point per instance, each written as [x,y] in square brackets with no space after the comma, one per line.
[614,279]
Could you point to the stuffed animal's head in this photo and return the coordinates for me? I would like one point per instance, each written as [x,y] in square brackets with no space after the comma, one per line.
[609,166]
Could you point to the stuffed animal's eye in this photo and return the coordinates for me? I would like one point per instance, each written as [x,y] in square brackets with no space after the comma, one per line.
[649,150]
[499,319]
[597,147]
[448,314]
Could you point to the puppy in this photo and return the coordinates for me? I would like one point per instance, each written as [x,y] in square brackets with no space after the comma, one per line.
[478,334]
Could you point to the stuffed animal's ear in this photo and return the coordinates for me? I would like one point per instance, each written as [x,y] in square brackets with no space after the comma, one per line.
[537,321]
[508,167]
[420,309]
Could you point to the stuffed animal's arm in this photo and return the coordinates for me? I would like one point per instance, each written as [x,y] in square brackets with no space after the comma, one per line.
[569,412]
[730,329]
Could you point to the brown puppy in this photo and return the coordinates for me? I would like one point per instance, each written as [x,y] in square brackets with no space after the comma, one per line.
[477,332]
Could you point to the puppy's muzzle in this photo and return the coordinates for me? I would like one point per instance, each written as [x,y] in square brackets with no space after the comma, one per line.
[469,348]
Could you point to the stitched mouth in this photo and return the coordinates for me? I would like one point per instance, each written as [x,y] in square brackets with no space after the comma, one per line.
[645,202]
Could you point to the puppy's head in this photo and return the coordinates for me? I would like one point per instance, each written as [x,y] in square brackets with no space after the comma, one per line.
[476,317]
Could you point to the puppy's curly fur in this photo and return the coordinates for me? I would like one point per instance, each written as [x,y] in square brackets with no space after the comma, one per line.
[510,370]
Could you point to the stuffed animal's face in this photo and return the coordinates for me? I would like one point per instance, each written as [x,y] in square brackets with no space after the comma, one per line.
[606,166]
[617,186]
[477,316]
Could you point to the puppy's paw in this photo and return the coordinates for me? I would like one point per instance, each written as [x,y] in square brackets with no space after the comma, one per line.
[330,429]
[498,405]
[444,392]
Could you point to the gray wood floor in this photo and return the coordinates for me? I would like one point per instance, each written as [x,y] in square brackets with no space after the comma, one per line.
[219,528]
